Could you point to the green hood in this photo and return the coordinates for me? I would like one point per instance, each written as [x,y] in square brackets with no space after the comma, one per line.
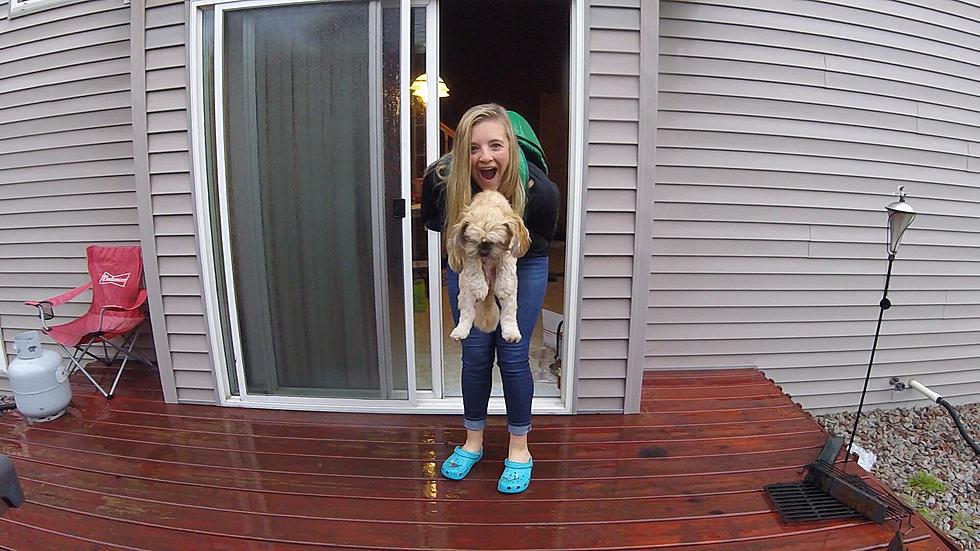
[529,144]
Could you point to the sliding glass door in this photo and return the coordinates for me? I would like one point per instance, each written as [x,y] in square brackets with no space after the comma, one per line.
[312,209]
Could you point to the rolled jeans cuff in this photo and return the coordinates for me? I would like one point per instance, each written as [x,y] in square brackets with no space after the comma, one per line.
[518,431]
[474,425]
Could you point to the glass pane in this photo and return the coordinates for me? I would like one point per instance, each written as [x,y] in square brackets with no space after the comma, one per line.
[420,272]
[307,209]
[213,197]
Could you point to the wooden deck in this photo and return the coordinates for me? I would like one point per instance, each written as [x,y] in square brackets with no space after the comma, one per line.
[135,473]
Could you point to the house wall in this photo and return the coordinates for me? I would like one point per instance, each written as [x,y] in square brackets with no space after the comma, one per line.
[66,153]
[781,137]
[164,117]
[610,203]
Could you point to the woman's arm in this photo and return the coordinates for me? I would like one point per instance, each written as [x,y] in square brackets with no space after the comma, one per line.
[433,201]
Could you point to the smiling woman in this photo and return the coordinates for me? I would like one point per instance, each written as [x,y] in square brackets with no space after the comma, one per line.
[485,134]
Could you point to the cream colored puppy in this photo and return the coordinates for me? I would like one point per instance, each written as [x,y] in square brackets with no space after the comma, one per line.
[483,248]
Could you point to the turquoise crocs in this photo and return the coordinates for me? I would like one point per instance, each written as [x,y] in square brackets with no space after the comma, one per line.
[516,477]
[458,465]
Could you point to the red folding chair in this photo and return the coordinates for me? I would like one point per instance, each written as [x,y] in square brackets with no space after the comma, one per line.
[116,311]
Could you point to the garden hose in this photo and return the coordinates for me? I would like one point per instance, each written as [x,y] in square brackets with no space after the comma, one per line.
[935,397]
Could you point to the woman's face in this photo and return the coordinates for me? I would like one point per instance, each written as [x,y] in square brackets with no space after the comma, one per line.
[489,154]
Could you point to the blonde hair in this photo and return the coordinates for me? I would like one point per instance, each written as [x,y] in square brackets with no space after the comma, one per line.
[459,177]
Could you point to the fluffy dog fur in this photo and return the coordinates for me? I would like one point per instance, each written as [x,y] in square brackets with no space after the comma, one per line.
[483,248]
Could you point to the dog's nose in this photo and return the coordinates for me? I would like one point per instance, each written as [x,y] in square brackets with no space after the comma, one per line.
[484,249]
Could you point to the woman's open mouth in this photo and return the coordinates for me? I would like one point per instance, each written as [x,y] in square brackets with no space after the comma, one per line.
[488,173]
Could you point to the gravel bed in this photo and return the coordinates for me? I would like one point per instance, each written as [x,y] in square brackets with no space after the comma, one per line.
[917,446]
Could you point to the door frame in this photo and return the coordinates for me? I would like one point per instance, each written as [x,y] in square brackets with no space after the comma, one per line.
[417,401]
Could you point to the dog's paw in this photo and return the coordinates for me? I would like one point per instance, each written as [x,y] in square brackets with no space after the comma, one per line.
[481,291]
[459,333]
[510,334]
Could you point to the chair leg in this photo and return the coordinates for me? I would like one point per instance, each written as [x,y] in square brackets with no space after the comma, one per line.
[78,366]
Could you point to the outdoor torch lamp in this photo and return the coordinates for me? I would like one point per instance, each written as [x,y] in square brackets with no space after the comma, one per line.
[900,216]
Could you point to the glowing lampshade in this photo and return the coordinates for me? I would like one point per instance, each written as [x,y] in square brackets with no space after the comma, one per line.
[420,88]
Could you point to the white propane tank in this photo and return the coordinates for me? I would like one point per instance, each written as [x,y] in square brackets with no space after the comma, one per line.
[38,379]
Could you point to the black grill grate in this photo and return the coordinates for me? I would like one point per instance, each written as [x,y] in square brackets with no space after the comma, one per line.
[802,502]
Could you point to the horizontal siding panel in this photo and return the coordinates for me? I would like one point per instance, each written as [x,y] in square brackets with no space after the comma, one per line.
[68,155]
[695,315]
[181,286]
[168,142]
[104,184]
[601,388]
[170,183]
[179,266]
[70,73]
[173,224]
[25,66]
[189,361]
[790,297]
[615,308]
[166,79]
[167,121]
[601,369]
[614,86]
[612,155]
[612,177]
[169,162]
[610,132]
[603,349]
[606,287]
[601,17]
[183,305]
[165,37]
[614,63]
[610,222]
[623,201]
[92,14]
[606,40]
[600,405]
[78,218]
[166,100]
[720,248]
[198,380]
[176,245]
[99,119]
[166,58]
[609,245]
[607,266]
[111,134]
[172,204]
[185,324]
[195,396]
[187,343]
[929,369]
[614,109]
[172,14]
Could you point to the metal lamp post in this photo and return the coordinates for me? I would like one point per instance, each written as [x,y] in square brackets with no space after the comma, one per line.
[900,216]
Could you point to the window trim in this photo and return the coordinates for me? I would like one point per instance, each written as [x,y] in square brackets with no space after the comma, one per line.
[24,7]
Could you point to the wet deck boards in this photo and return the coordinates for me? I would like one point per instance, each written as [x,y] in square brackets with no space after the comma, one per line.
[687,473]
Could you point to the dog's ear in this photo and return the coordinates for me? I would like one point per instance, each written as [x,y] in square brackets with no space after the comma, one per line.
[455,243]
[520,238]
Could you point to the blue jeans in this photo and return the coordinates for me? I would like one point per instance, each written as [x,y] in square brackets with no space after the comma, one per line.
[479,350]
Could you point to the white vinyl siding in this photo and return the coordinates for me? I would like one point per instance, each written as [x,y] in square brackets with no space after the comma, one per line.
[781,137]
[610,197]
[171,202]
[66,153]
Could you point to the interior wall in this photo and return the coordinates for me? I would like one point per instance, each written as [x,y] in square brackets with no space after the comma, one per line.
[514,53]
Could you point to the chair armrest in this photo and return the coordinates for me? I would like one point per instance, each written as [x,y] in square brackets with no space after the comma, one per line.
[140,300]
[63,297]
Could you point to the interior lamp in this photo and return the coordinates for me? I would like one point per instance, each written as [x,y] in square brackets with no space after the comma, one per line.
[420,88]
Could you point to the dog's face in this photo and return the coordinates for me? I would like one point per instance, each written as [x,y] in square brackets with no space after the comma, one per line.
[488,229]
